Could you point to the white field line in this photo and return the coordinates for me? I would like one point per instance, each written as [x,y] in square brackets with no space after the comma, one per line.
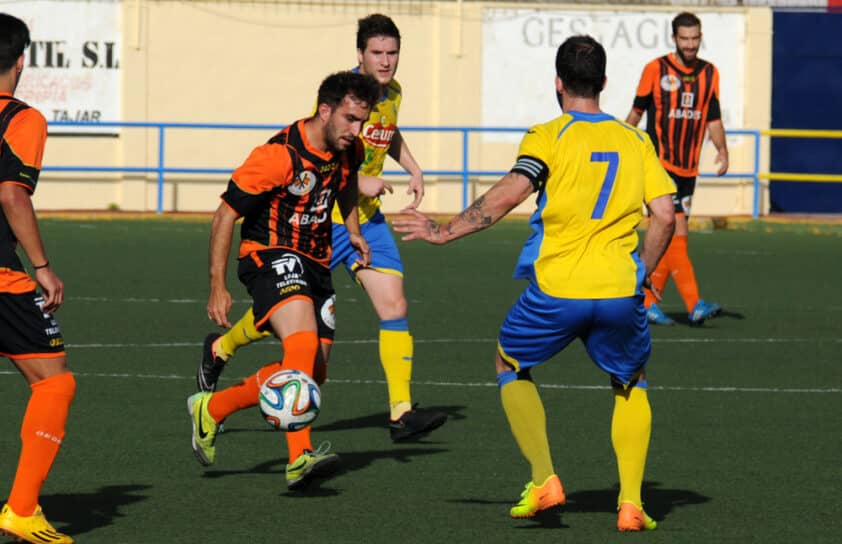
[706,389]
[484,341]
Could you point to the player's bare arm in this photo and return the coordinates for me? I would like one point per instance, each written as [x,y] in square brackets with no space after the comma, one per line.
[347,200]
[717,136]
[658,235]
[633,118]
[17,206]
[222,230]
[399,151]
[499,200]
[373,187]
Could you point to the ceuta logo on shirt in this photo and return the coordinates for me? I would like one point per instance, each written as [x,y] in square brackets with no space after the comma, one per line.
[379,135]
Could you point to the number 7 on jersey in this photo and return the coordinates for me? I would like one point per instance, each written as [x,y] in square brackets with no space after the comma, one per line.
[613,160]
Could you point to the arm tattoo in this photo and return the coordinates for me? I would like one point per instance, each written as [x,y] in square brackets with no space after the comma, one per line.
[434,228]
[475,215]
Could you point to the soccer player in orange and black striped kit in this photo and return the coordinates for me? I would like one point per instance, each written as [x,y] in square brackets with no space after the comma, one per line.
[680,94]
[29,334]
[285,191]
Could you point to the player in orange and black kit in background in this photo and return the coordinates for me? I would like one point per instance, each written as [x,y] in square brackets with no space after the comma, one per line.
[285,192]
[680,94]
[29,334]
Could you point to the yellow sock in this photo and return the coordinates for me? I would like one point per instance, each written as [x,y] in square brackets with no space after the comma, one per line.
[525,413]
[241,334]
[631,426]
[396,357]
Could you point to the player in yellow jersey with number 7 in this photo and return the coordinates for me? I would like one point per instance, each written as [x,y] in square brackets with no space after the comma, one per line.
[586,275]
[378,52]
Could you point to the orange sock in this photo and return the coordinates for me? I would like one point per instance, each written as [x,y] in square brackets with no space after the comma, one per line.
[41,434]
[659,279]
[300,351]
[240,396]
[297,442]
[682,272]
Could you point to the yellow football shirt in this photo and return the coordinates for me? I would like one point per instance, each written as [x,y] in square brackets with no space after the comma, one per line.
[377,134]
[593,174]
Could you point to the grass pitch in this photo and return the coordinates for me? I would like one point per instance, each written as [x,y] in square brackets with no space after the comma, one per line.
[746,434]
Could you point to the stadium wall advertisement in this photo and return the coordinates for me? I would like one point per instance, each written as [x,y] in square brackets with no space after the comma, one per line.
[242,62]
[524,42]
[72,71]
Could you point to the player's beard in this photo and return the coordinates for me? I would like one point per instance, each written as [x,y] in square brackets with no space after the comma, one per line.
[684,59]
[334,140]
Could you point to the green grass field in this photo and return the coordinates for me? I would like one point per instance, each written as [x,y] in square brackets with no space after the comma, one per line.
[747,431]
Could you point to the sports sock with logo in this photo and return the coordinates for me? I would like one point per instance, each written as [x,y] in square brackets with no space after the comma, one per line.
[396,350]
[41,434]
[525,412]
[241,334]
[631,425]
[683,273]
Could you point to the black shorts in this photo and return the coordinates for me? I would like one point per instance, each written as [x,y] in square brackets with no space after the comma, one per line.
[274,275]
[25,331]
[683,199]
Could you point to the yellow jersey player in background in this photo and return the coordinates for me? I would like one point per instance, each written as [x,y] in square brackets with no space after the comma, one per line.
[378,52]
[593,174]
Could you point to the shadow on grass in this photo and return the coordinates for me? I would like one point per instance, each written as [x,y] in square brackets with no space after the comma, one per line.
[682,318]
[351,462]
[381,419]
[659,503]
[79,513]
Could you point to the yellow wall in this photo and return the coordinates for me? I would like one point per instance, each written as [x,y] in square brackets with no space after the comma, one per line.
[252,62]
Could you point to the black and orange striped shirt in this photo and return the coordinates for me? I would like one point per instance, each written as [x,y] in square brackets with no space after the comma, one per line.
[285,191]
[679,103]
[23,133]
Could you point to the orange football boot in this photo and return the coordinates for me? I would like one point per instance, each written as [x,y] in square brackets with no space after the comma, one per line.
[632,518]
[536,498]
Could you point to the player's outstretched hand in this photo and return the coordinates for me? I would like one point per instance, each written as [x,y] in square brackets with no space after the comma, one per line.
[373,187]
[418,226]
[416,187]
[359,243]
[51,287]
[219,304]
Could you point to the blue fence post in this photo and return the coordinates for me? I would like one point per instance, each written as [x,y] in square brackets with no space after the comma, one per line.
[161,168]
[465,166]
[756,174]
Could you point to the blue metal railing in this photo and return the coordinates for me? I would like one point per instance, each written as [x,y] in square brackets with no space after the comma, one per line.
[465,173]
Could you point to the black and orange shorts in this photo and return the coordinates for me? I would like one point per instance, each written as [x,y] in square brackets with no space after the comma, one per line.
[682,199]
[26,332]
[274,276]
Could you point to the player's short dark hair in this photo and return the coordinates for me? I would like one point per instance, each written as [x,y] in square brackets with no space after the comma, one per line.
[14,38]
[580,64]
[336,87]
[685,18]
[375,25]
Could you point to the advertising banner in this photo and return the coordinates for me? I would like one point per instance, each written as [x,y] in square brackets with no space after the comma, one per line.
[519,47]
[72,67]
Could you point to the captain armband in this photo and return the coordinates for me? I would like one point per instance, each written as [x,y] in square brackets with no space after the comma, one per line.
[534,169]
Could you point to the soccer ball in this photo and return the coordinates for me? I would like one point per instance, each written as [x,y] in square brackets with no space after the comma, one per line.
[290,400]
